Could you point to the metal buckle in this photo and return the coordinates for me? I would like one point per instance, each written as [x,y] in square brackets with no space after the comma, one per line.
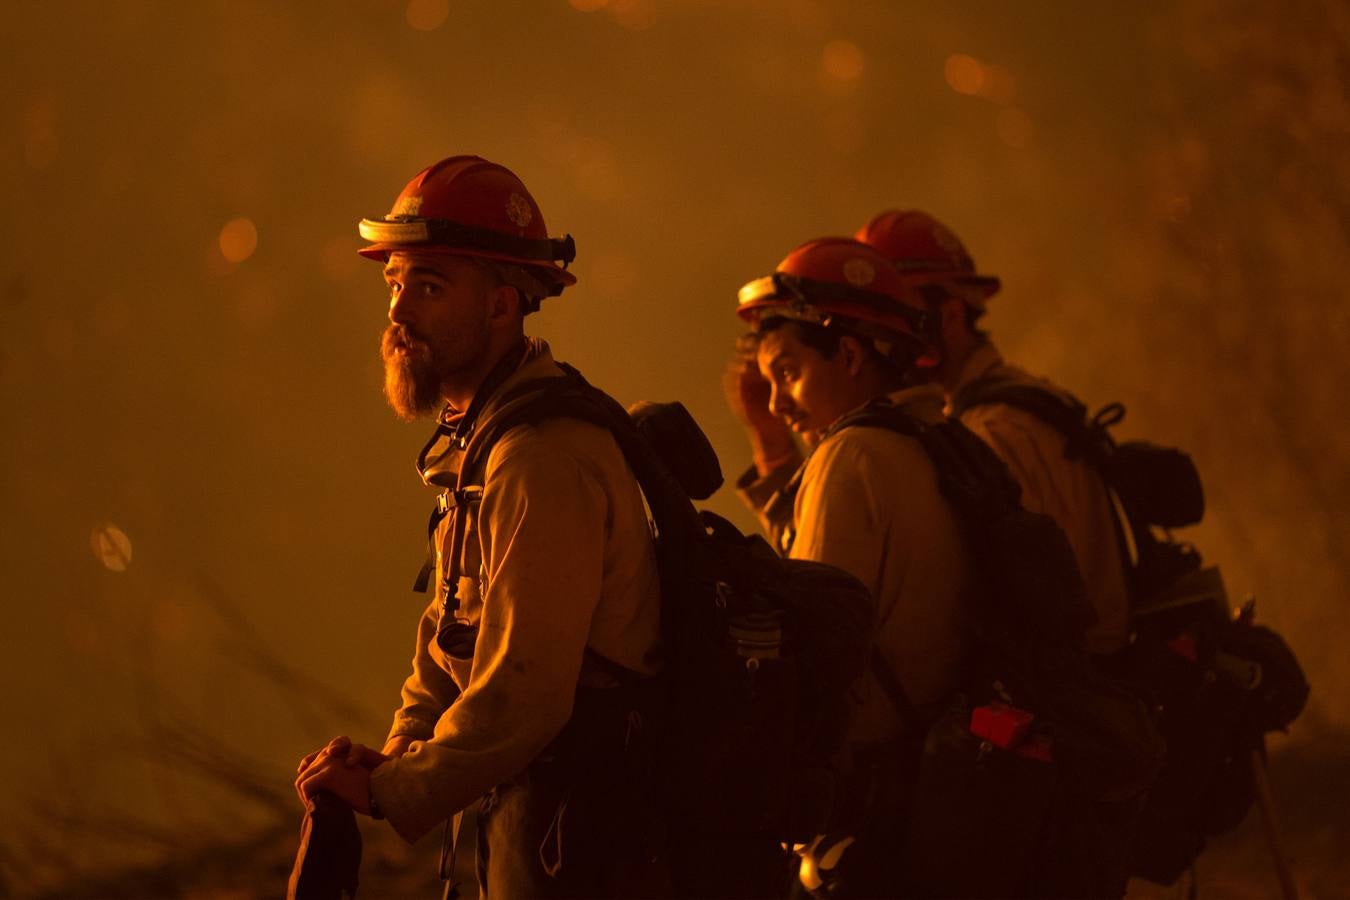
[468,496]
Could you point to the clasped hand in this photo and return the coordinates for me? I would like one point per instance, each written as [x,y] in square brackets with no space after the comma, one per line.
[343,769]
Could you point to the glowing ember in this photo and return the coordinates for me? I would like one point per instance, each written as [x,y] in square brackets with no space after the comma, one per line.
[111,547]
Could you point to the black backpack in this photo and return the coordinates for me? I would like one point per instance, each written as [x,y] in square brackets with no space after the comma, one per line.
[1029,781]
[759,651]
[1216,681]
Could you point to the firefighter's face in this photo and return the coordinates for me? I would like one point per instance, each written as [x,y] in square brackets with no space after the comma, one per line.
[439,308]
[808,390]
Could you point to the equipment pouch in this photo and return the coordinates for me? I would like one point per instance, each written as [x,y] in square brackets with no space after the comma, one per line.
[977,817]
[1158,485]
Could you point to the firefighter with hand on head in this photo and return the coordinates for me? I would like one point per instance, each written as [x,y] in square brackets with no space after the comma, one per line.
[933,264]
[1054,479]
[545,585]
[834,330]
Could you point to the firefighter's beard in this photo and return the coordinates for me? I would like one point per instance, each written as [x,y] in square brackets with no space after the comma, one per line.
[412,381]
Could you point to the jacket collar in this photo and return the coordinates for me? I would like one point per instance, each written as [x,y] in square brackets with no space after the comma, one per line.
[983,360]
[438,463]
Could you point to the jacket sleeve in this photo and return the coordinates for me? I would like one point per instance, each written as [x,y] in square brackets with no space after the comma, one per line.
[542,526]
[759,492]
[429,690]
[837,514]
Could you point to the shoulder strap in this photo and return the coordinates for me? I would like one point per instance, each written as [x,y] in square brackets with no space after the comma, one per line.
[678,527]
[968,471]
[877,414]
[891,686]
[1084,437]
[1064,413]
[570,396]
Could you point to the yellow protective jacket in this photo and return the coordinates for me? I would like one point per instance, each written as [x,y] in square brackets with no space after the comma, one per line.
[869,503]
[1070,491]
[558,557]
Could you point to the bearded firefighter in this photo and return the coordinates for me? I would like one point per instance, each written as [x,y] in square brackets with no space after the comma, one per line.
[543,581]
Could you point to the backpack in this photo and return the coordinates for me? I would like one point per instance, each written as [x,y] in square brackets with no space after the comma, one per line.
[1028,782]
[1216,681]
[759,651]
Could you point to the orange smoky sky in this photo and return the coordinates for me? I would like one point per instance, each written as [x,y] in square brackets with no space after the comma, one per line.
[212,518]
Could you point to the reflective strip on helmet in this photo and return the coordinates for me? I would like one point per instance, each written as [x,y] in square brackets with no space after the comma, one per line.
[806,295]
[380,231]
[759,289]
[417,230]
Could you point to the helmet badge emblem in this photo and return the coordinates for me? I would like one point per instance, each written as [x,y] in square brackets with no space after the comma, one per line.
[410,205]
[859,272]
[518,210]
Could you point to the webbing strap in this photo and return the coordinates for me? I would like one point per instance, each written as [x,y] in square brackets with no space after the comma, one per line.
[1084,437]
[565,396]
[1065,414]
[447,501]
[909,714]
[423,579]
[459,437]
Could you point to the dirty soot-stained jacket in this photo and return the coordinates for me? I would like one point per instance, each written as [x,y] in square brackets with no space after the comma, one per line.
[557,557]
[869,503]
[1070,491]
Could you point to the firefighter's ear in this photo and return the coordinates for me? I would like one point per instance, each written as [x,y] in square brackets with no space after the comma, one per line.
[505,302]
[852,354]
[953,313]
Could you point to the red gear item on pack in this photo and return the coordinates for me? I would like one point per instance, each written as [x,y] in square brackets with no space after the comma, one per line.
[924,251]
[469,206]
[1001,725]
[839,277]
[1184,645]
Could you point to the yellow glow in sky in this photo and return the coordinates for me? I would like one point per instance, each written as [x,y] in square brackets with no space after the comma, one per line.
[636,15]
[427,15]
[1014,127]
[964,73]
[843,60]
[238,240]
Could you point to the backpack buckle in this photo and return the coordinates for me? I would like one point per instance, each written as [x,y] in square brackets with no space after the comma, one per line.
[449,499]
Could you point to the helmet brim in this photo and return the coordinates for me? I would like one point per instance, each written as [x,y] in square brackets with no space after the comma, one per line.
[413,234]
[380,253]
[977,289]
[804,298]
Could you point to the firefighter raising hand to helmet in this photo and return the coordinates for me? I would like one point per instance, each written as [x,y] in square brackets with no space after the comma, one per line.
[835,331]
[775,452]
[534,654]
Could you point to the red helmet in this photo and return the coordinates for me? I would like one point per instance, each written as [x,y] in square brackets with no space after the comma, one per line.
[924,251]
[836,278]
[468,206]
